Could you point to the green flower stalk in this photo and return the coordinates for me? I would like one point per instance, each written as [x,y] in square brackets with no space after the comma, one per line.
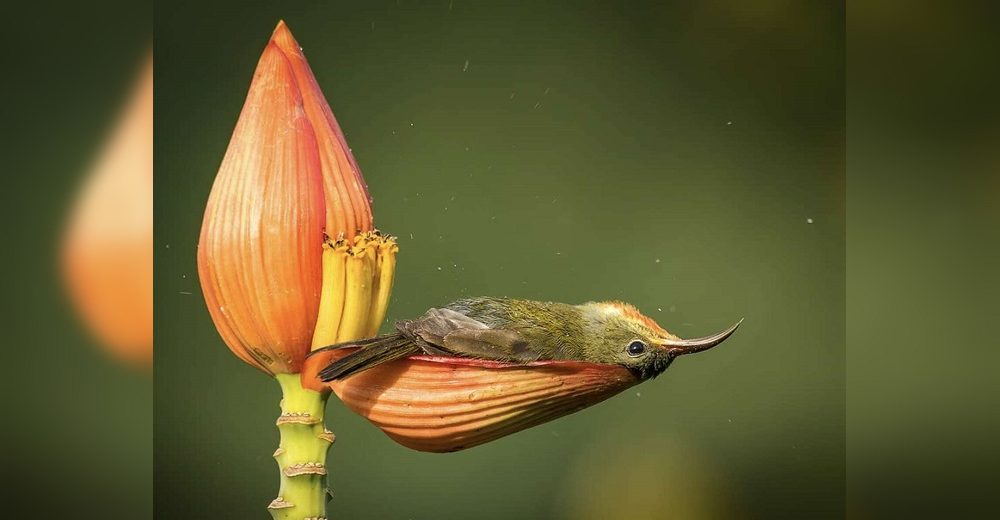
[288,258]
[301,453]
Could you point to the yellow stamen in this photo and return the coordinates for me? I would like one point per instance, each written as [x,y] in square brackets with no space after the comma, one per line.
[331,302]
[385,269]
[358,293]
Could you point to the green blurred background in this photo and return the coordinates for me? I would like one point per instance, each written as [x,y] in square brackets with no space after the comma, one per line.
[923,285]
[687,158]
[78,427]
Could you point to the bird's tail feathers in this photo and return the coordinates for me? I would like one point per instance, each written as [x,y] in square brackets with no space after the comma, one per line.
[372,352]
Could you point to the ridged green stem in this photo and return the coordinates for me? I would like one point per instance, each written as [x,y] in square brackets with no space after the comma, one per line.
[301,454]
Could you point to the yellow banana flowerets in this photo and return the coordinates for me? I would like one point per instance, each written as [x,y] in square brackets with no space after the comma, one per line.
[331,303]
[385,270]
[357,281]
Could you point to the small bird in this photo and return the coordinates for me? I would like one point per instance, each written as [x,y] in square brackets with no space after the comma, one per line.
[519,332]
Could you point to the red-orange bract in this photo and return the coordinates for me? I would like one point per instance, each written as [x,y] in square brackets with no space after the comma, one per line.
[443,404]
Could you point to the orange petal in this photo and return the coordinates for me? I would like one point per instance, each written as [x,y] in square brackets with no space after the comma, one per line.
[348,204]
[259,258]
[442,404]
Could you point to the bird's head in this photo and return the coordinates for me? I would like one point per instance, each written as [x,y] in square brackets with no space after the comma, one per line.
[624,336]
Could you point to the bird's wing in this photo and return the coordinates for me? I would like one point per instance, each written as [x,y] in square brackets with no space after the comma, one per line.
[435,324]
[461,335]
[495,344]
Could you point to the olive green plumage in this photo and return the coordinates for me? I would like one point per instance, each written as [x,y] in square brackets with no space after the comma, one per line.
[519,332]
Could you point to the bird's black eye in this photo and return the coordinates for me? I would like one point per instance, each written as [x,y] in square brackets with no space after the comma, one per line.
[636,348]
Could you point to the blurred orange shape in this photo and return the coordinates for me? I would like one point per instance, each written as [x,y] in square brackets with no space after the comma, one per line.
[107,255]
[287,178]
[445,404]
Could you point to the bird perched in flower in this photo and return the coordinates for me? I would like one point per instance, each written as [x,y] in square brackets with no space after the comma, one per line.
[480,369]
[522,331]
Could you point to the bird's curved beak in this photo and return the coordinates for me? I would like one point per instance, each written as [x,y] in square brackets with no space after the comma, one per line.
[678,347]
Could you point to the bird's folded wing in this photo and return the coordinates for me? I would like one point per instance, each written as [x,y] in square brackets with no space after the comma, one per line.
[494,344]
[435,324]
[463,336]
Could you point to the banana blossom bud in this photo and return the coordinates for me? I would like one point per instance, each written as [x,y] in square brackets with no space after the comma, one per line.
[288,179]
